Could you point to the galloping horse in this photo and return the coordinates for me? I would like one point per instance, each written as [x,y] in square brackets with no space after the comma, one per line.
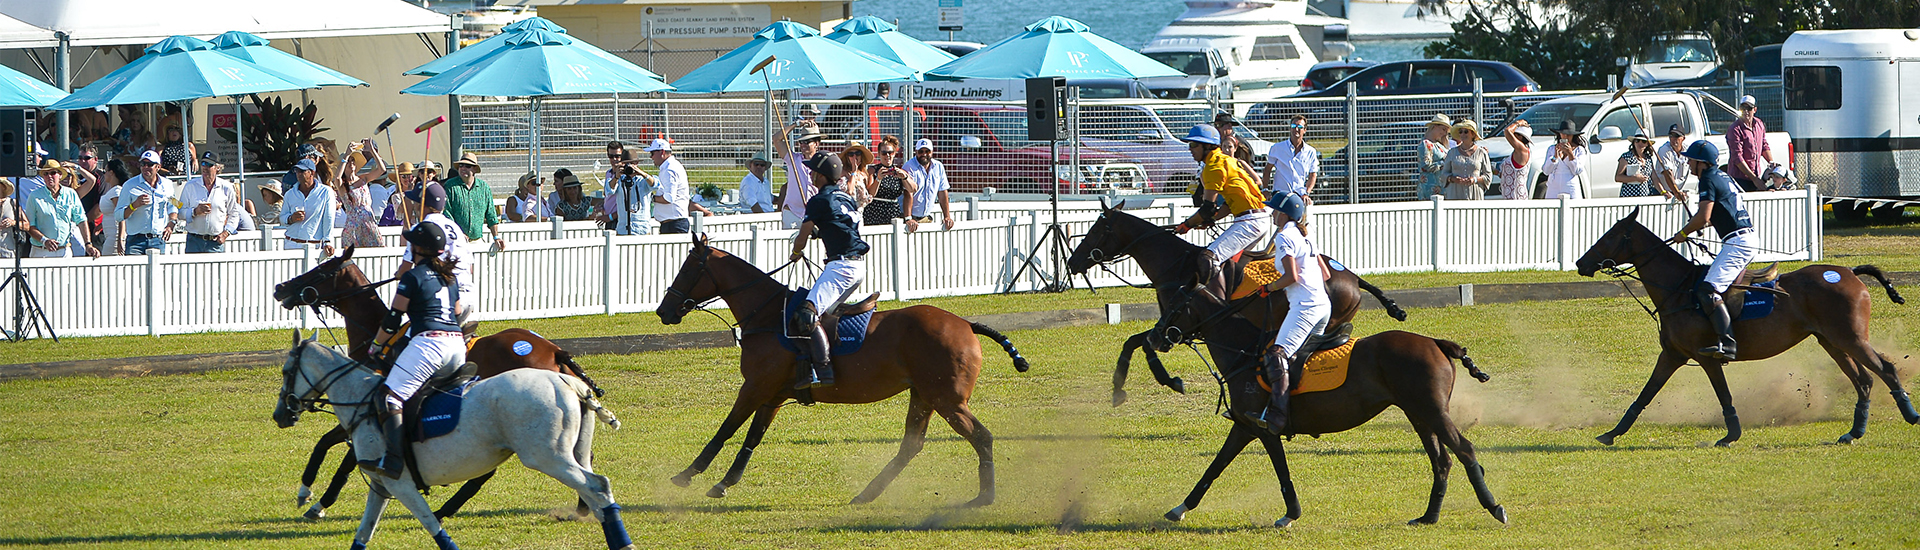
[539,415]
[921,349]
[339,284]
[1828,302]
[1169,262]
[1394,368]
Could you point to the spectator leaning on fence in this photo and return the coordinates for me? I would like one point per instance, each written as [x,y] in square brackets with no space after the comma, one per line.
[470,201]
[756,193]
[1468,170]
[54,217]
[1433,156]
[1747,147]
[1635,171]
[1293,166]
[147,206]
[308,211]
[1513,171]
[929,180]
[673,192]
[568,200]
[799,188]
[210,207]
[525,204]
[1566,162]
[1671,170]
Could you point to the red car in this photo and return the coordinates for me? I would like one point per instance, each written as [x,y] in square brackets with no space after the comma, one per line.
[987,146]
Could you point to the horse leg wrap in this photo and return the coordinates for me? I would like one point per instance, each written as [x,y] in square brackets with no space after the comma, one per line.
[358,545]
[1905,403]
[616,530]
[444,541]
[1860,410]
[1733,429]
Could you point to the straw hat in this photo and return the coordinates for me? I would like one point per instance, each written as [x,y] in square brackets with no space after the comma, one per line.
[1441,120]
[270,192]
[529,177]
[1641,135]
[428,166]
[50,165]
[1464,127]
[6,188]
[468,159]
[405,169]
[570,180]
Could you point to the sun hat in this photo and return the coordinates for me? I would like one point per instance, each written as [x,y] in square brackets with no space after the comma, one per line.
[570,180]
[404,169]
[270,190]
[1463,127]
[529,177]
[50,165]
[1225,117]
[1203,133]
[1441,120]
[758,159]
[809,133]
[1641,135]
[469,160]
[1566,127]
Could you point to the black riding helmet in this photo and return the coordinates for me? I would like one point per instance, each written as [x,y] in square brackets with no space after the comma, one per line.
[428,236]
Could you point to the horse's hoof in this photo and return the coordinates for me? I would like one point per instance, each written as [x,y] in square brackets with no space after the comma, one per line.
[1913,419]
[1177,513]
[1178,385]
[301,497]
[1283,523]
[1724,443]
[1605,438]
[719,490]
[1499,513]
[1423,521]
[1119,397]
[863,498]
[314,513]
[1847,439]
[683,480]
[978,502]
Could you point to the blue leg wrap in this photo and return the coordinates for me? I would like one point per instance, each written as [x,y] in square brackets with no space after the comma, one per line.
[443,541]
[357,545]
[615,529]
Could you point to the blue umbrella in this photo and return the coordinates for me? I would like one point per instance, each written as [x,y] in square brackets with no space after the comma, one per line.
[540,63]
[881,39]
[801,59]
[19,90]
[1055,46]
[178,68]
[468,54]
[255,49]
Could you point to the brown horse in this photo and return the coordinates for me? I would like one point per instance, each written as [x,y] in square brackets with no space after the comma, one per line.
[1828,302]
[1169,262]
[338,284]
[1393,368]
[921,349]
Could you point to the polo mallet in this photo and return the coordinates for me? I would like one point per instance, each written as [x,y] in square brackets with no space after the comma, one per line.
[428,128]
[382,129]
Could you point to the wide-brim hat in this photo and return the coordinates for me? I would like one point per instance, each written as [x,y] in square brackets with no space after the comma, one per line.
[1566,127]
[809,134]
[50,165]
[570,180]
[428,165]
[404,169]
[529,177]
[1441,120]
[1225,117]
[270,189]
[467,159]
[1641,135]
[6,184]
[1464,127]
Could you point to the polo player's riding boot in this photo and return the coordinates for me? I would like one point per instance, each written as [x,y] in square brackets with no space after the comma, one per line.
[1716,311]
[821,348]
[1211,277]
[388,465]
[1274,417]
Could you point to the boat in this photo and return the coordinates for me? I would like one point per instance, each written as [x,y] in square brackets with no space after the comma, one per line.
[1242,50]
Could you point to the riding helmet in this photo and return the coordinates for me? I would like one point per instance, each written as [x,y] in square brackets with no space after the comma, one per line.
[428,236]
[1289,204]
[1703,151]
[1203,133]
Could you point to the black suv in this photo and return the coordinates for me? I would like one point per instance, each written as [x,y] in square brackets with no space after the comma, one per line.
[1430,76]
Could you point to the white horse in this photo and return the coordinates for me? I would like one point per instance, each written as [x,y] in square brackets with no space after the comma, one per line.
[538,415]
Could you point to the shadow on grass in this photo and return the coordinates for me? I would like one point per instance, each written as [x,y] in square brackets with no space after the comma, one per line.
[940,521]
[217,536]
[1018,437]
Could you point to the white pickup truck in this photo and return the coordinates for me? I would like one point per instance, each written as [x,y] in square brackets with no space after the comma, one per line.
[1609,126]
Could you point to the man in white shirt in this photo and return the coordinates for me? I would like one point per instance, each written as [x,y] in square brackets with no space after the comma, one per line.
[929,180]
[1670,169]
[146,203]
[212,208]
[756,194]
[799,188]
[307,211]
[671,190]
[1293,167]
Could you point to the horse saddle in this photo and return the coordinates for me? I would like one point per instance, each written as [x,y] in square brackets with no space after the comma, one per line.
[1739,299]
[846,326]
[1250,272]
[1326,364]
[427,402]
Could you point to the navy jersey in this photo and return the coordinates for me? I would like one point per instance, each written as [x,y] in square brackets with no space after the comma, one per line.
[429,301]
[1729,214]
[835,220]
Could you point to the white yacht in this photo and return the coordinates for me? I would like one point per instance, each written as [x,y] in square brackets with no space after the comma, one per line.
[1243,50]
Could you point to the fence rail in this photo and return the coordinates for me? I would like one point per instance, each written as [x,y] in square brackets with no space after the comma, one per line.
[577,269]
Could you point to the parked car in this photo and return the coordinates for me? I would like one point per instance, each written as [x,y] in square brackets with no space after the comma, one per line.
[1326,73]
[1431,76]
[1762,68]
[1151,137]
[842,120]
[1669,58]
[986,146]
[1389,156]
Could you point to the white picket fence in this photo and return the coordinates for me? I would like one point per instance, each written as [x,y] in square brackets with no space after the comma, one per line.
[574,268]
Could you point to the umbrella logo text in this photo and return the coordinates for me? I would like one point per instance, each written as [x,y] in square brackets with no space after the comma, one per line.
[580,71]
[1076,58]
[778,66]
[233,73]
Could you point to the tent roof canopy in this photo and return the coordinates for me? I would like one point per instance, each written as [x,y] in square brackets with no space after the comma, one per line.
[82,22]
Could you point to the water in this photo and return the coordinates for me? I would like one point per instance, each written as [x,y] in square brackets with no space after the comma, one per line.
[1128,22]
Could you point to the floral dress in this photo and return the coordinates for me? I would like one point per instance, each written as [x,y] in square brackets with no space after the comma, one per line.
[362,221]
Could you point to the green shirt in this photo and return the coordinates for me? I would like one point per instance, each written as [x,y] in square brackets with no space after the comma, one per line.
[470,204]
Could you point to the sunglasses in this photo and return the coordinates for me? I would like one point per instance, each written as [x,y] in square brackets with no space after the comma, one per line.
[887,151]
[1298,126]
[149,163]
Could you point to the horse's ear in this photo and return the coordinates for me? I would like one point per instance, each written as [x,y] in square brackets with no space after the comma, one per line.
[1635,215]
[348,254]
[296,339]
[310,339]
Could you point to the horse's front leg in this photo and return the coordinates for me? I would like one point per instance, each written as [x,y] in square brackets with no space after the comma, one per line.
[315,459]
[404,491]
[1663,369]
[1139,342]
[1719,379]
[761,419]
[370,518]
[346,468]
[467,490]
[1237,440]
[743,407]
[1277,452]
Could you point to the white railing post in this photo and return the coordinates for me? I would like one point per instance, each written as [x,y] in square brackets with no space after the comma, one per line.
[1013,253]
[154,295]
[1814,224]
[973,208]
[1435,250]
[1564,241]
[266,238]
[559,230]
[606,270]
[1033,238]
[899,260]
[1173,213]
[753,245]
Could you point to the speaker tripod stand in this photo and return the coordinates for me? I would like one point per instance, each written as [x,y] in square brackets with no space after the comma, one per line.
[1054,239]
[27,314]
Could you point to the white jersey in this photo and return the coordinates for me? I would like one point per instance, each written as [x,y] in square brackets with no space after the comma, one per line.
[456,251]
[1311,286]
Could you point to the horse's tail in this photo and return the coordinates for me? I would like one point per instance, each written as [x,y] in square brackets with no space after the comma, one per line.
[585,392]
[565,359]
[1393,308]
[1019,363]
[1457,351]
[1874,271]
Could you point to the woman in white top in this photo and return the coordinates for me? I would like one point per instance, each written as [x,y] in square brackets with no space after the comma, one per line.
[1304,281]
[525,204]
[1565,162]
[1513,171]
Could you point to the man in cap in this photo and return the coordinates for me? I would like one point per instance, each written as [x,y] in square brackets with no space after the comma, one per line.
[928,180]
[212,208]
[291,178]
[1221,176]
[1720,206]
[799,189]
[1293,167]
[307,210]
[431,201]
[756,193]
[1747,146]
[673,192]
[1670,168]
[833,215]
[470,201]
[147,206]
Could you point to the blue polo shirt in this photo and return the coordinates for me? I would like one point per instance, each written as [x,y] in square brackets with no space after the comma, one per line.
[834,217]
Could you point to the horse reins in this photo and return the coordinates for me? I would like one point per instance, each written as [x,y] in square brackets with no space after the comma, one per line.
[688,304]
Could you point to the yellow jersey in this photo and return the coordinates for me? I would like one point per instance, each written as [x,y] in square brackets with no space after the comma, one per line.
[1222,174]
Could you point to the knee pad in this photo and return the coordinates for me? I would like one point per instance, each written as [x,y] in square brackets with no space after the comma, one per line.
[803,319]
[1705,288]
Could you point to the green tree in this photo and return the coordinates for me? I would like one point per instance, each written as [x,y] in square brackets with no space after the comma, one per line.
[1560,51]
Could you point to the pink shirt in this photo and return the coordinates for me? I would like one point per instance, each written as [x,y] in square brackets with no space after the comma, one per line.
[1745,144]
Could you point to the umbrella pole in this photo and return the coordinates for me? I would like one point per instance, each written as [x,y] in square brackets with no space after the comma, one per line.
[239,141]
[766,126]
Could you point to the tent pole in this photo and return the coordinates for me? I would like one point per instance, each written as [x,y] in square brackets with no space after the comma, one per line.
[62,74]
[454,126]
[239,141]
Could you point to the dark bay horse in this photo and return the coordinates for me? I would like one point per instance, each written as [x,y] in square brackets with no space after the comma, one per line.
[920,349]
[338,284]
[1827,302]
[1393,368]
[1169,262]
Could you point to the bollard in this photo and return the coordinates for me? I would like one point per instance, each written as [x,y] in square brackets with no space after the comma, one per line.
[558,231]
[973,208]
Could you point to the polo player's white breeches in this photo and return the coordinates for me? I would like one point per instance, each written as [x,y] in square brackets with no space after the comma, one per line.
[1247,231]
[426,354]
[1303,320]
[1735,253]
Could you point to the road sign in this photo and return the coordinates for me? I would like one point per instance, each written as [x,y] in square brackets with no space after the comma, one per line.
[952,18]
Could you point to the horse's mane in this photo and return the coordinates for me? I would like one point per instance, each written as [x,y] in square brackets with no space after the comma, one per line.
[1662,252]
[1154,234]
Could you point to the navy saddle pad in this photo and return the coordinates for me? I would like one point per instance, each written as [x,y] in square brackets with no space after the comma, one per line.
[440,412]
[853,328]
[1759,303]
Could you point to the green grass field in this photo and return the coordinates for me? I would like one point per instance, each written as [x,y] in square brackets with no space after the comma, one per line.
[194,462]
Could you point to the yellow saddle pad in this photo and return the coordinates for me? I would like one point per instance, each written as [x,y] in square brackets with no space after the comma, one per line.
[1326,370]
[1255,277]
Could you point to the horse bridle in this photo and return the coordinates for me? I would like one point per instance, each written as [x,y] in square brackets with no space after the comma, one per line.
[301,404]
[689,305]
[1100,258]
[311,297]
[1612,268]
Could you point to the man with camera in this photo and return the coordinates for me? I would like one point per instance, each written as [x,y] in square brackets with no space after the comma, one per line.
[629,194]
[798,142]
